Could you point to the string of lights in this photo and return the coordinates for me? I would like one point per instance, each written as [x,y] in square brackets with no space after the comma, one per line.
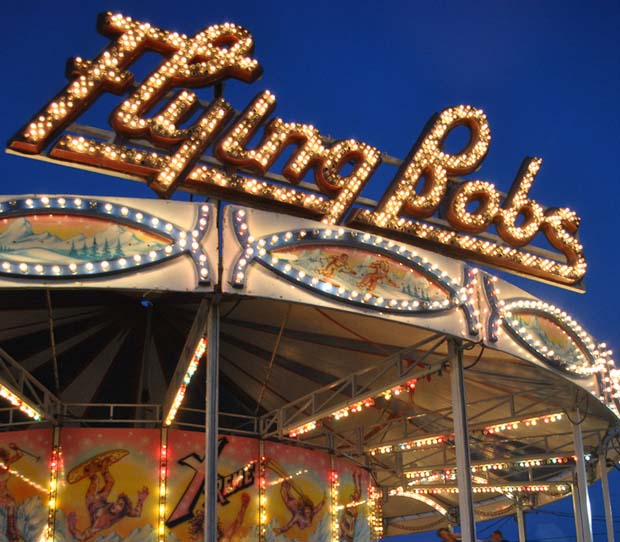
[527,422]
[53,491]
[503,464]
[23,477]
[438,440]
[191,369]
[354,408]
[556,488]
[163,476]
[334,487]
[375,513]
[20,403]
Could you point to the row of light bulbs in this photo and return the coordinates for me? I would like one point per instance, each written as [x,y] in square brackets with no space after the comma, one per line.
[354,408]
[552,488]
[199,352]
[450,472]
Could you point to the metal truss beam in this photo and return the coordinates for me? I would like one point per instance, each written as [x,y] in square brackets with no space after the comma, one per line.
[413,423]
[111,413]
[394,370]
[17,379]
[407,435]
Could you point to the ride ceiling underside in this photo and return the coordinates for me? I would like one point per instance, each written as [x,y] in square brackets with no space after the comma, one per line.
[297,347]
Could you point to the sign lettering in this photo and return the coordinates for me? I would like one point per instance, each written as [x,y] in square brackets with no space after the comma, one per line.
[424,186]
[227,485]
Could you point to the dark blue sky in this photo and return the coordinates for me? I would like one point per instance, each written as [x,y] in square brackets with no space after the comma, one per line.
[546,73]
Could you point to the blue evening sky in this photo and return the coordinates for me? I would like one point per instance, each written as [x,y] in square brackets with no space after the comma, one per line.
[547,73]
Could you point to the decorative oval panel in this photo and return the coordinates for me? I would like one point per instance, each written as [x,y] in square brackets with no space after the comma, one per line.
[58,237]
[552,336]
[358,273]
[355,267]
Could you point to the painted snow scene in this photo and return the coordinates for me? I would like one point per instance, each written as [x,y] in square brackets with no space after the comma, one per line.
[65,239]
[355,270]
[548,334]
[24,484]
[25,521]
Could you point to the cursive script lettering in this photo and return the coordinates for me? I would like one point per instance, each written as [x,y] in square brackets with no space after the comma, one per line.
[419,190]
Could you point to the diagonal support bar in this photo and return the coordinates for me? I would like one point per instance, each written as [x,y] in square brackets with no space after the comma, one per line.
[194,337]
[19,386]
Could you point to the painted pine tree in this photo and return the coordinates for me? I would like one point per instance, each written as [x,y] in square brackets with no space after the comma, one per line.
[94,249]
[118,250]
[106,253]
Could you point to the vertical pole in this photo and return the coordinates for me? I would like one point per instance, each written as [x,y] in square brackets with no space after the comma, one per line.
[582,483]
[211,422]
[609,518]
[521,523]
[461,442]
[577,513]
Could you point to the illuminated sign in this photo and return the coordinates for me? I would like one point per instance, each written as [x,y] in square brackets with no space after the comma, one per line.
[169,157]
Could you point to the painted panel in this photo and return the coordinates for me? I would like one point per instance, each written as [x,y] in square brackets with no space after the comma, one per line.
[107,242]
[281,257]
[360,270]
[108,485]
[352,509]
[66,239]
[237,510]
[24,483]
[297,494]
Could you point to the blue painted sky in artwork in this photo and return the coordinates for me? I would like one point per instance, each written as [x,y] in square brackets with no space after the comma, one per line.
[546,73]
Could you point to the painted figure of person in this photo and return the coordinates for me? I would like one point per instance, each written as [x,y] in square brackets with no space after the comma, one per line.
[224,534]
[348,518]
[339,262]
[379,273]
[302,509]
[7,502]
[103,514]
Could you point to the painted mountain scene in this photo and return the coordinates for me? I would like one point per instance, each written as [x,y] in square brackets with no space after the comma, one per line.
[65,239]
[364,271]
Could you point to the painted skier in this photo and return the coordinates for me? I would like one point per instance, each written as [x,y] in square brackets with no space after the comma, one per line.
[380,273]
[334,264]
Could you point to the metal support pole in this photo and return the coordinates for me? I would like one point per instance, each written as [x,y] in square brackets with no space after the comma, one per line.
[211,422]
[577,513]
[609,518]
[583,499]
[461,442]
[521,523]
